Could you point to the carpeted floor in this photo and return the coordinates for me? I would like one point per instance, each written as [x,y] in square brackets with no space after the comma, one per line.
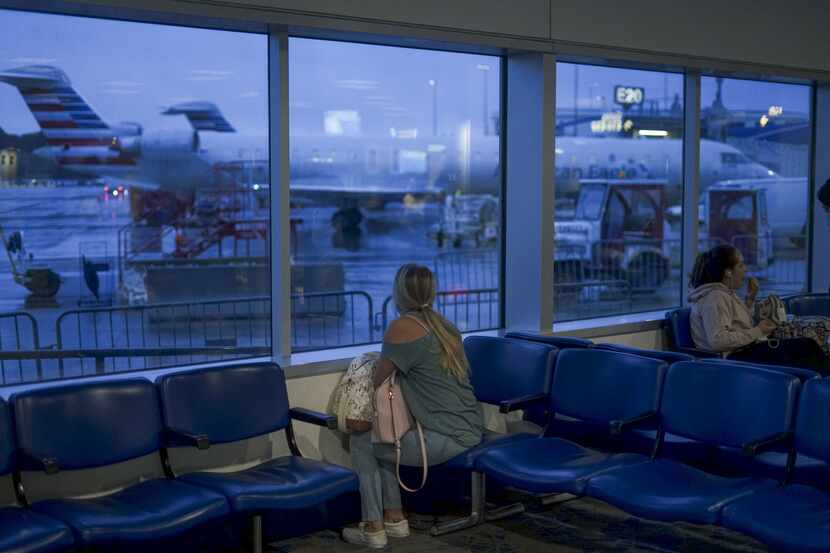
[580,525]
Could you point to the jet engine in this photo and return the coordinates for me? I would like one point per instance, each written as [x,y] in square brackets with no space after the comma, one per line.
[164,143]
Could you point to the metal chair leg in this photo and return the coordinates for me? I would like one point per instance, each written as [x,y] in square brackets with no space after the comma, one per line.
[477,507]
[256,529]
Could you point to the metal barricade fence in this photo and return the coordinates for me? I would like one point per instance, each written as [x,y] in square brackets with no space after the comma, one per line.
[18,332]
[221,323]
[467,270]
[317,320]
[468,310]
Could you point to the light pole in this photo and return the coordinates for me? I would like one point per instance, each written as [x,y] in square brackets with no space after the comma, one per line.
[484,68]
[576,97]
[434,86]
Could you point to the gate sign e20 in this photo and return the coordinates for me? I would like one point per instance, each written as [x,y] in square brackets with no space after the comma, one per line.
[629,95]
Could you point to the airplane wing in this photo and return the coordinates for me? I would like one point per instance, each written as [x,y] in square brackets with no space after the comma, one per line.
[332,191]
[204,116]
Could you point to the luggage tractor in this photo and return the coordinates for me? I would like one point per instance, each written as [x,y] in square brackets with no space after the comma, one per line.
[736,213]
[618,233]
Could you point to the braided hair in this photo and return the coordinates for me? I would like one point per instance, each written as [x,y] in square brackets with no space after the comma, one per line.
[711,265]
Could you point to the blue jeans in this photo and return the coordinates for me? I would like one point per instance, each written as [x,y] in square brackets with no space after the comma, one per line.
[375,466]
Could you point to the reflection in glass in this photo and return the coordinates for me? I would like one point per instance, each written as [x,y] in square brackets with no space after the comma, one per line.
[764,217]
[394,159]
[618,163]
[134,232]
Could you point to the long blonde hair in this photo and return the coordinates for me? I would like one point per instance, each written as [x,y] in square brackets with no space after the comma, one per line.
[414,293]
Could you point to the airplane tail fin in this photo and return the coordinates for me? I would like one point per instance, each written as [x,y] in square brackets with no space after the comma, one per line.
[204,116]
[63,116]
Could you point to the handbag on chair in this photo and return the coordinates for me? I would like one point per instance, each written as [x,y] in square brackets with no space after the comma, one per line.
[770,308]
[392,421]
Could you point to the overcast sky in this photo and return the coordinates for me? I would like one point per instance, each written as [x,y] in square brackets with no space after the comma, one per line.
[130,71]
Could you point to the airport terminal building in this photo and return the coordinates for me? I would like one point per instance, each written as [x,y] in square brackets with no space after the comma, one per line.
[204,204]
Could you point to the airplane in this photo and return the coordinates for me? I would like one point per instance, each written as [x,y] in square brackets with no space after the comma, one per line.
[351,172]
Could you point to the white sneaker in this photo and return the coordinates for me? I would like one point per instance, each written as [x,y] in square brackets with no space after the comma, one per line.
[398,529]
[359,536]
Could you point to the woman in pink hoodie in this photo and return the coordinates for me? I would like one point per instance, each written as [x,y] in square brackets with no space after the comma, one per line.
[722,322]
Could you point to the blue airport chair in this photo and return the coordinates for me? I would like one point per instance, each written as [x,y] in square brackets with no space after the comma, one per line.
[771,464]
[96,424]
[804,305]
[612,390]
[228,404]
[728,461]
[23,530]
[674,447]
[536,413]
[561,342]
[679,333]
[744,407]
[510,374]
[793,518]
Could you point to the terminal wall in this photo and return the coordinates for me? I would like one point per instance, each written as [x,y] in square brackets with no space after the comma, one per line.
[756,32]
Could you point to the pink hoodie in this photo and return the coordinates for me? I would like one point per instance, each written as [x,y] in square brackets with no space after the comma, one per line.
[720,321]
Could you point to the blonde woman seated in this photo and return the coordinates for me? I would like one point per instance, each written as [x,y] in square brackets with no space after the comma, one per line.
[426,351]
[722,322]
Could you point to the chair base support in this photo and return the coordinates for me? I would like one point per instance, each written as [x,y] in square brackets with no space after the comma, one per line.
[476,515]
[556,498]
[504,512]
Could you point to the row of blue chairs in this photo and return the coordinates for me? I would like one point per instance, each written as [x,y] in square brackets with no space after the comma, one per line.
[101,423]
[731,407]
[732,414]
[516,372]
[771,464]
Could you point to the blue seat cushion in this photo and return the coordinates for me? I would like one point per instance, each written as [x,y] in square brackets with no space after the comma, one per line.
[793,518]
[466,460]
[670,491]
[24,531]
[545,465]
[152,510]
[283,483]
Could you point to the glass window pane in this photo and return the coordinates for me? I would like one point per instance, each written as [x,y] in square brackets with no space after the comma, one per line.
[394,159]
[618,164]
[754,163]
[135,197]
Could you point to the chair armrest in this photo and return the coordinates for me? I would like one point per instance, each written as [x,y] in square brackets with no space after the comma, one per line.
[509,405]
[313,417]
[620,426]
[765,444]
[31,460]
[175,437]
